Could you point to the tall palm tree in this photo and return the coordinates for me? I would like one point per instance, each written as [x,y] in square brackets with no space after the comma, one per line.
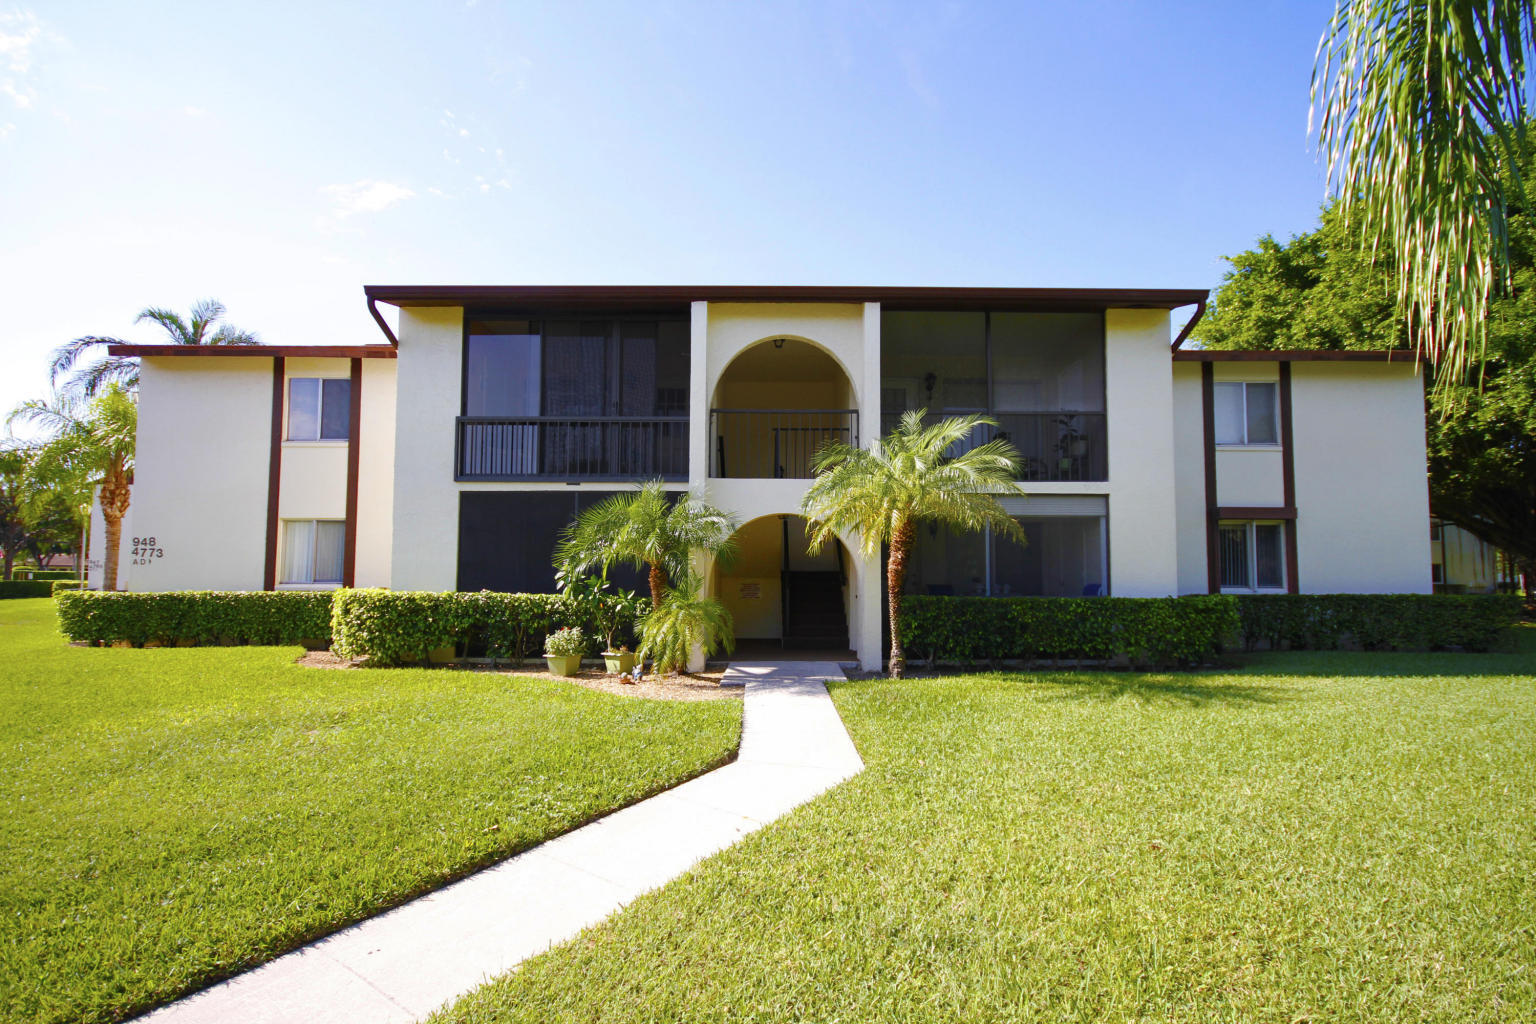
[647,529]
[201,328]
[89,441]
[910,477]
[1422,107]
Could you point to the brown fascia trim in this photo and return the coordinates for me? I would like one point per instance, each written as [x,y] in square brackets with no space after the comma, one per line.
[641,297]
[378,318]
[1255,512]
[1288,480]
[1200,355]
[274,475]
[256,351]
[354,439]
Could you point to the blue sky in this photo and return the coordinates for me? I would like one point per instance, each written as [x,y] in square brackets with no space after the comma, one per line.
[280,156]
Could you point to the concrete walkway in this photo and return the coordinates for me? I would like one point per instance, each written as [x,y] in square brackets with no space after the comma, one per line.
[402,965]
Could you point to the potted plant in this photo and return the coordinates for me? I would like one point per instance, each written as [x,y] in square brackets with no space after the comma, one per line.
[621,660]
[563,650]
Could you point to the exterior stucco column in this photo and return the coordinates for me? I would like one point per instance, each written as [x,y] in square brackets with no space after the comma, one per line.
[869,593]
[698,399]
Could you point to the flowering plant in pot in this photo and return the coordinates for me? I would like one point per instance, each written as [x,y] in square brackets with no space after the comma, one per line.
[563,650]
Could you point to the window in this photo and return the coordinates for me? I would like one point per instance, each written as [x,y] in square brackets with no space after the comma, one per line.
[1247,413]
[313,550]
[319,408]
[1436,572]
[1063,556]
[1252,556]
[1434,529]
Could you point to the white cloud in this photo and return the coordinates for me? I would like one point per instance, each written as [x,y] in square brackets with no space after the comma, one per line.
[19,31]
[192,111]
[366,196]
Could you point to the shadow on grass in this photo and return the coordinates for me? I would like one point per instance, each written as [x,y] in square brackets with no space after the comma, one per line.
[1180,690]
[1342,664]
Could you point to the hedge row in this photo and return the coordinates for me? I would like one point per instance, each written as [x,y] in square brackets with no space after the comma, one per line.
[203,617]
[391,626]
[1376,622]
[47,574]
[25,588]
[59,586]
[1157,631]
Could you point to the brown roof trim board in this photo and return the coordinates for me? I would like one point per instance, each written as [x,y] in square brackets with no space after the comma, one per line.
[1200,355]
[257,351]
[659,296]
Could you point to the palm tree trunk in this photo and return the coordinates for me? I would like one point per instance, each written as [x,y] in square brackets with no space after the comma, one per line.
[895,579]
[658,584]
[114,505]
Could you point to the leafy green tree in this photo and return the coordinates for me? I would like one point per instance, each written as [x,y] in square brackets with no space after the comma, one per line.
[1316,291]
[684,621]
[912,475]
[647,529]
[1421,107]
[36,517]
[202,327]
[89,441]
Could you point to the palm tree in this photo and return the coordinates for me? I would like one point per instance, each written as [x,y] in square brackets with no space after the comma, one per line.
[649,530]
[89,441]
[911,476]
[89,380]
[1422,108]
[685,620]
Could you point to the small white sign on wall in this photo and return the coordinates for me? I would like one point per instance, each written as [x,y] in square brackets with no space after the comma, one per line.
[750,591]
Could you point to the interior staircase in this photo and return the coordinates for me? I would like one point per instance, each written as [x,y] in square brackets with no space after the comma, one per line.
[814,618]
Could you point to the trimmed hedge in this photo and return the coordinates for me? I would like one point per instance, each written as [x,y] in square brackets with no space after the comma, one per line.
[391,626]
[1377,622]
[1159,631]
[25,588]
[59,586]
[47,574]
[204,617]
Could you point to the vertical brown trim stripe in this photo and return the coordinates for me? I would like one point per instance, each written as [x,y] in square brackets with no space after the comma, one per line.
[274,474]
[354,439]
[1212,527]
[1288,472]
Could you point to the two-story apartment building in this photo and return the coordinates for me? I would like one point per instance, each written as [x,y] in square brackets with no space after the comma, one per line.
[451,456]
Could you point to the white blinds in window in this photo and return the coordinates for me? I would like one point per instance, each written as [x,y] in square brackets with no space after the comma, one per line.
[329,540]
[299,552]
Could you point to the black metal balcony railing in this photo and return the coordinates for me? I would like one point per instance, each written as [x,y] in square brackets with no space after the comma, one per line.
[1053,446]
[568,448]
[769,443]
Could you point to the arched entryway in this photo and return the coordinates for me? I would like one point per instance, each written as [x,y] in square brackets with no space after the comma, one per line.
[782,597]
[776,403]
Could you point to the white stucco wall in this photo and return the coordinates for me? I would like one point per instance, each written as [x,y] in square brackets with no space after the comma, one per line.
[1250,476]
[200,483]
[425,542]
[1361,488]
[376,474]
[1189,478]
[1138,386]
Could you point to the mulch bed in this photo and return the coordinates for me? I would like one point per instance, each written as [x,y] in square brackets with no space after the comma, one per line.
[701,686]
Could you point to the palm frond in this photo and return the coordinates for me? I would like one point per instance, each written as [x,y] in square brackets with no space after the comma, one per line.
[1421,108]
[685,620]
[171,321]
[91,381]
[65,356]
[228,335]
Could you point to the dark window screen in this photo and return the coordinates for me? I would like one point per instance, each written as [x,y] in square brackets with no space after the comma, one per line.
[507,540]
[336,410]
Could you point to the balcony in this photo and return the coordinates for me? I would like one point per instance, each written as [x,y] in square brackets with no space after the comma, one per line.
[775,443]
[1053,446]
[563,448]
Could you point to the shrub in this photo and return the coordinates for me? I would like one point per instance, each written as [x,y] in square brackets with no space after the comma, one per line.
[59,586]
[46,574]
[1376,622]
[685,620]
[205,617]
[25,588]
[1162,631]
[391,626]
[569,642]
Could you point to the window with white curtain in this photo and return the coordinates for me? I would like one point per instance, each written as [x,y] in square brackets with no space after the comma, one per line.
[1247,413]
[312,550]
[1252,556]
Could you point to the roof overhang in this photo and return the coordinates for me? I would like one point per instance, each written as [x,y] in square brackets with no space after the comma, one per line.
[660,297]
[1307,355]
[256,351]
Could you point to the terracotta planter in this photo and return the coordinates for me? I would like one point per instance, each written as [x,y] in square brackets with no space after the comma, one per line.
[563,664]
[621,662]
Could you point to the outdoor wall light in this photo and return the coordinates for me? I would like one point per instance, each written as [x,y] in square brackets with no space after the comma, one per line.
[778,342]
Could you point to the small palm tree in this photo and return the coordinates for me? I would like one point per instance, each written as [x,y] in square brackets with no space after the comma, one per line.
[89,442]
[683,621]
[201,328]
[909,477]
[647,529]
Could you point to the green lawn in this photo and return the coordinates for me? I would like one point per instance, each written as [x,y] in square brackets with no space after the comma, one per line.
[1318,838]
[173,816]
